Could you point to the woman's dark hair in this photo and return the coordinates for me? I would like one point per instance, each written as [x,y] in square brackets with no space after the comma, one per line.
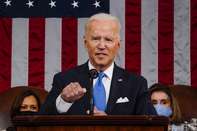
[176,116]
[163,88]
[15,108]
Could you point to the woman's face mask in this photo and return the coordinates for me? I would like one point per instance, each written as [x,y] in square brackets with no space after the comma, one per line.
[163,110]
[27,113]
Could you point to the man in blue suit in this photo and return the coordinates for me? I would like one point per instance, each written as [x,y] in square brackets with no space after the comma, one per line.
[124,92]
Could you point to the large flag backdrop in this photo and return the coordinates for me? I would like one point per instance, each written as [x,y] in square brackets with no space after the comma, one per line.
[37,40]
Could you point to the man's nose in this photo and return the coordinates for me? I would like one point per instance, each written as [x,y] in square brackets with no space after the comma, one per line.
[102,43]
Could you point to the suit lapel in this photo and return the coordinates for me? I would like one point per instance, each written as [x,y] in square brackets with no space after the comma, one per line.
[84,80]
[83,75]
[116,84]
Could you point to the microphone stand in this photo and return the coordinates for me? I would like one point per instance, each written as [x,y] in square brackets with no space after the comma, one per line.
[93,75]
[91,97]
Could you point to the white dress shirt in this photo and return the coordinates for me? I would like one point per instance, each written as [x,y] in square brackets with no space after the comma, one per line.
[63,106]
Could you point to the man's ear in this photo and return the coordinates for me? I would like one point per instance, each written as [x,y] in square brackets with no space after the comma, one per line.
[85,42]
[119,42]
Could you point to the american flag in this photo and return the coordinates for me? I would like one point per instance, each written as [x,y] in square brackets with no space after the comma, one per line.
[41,38]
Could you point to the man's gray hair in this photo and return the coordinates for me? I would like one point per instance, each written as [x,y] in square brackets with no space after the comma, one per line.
[103,16]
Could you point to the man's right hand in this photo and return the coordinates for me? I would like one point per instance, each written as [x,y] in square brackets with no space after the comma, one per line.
[72,92]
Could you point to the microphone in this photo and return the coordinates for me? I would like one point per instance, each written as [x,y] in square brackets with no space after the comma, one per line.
[93,74]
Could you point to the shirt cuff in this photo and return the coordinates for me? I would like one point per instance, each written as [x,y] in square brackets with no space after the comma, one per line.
[61,105]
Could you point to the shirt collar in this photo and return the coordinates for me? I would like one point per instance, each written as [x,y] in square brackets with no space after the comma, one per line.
[108,72]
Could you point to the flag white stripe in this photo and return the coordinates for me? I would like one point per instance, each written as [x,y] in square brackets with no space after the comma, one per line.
[149,40]
[117,8]
[53,45]
[181,42]
[19,67]
[82,53]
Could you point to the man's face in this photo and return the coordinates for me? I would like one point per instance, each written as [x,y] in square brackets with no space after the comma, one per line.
[102,42]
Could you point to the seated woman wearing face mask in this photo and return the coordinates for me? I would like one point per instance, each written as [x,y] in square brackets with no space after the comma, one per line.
[165,103]
[26,103]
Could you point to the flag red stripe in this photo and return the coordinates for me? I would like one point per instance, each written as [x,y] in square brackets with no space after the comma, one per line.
[5,53]
[193,43]
[165,41]
[36,51]
[133,36]
[69,43]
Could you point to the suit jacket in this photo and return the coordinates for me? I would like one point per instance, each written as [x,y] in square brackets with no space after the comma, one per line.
[123,84]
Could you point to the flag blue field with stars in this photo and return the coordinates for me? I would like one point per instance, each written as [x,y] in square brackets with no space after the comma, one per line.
[52,8]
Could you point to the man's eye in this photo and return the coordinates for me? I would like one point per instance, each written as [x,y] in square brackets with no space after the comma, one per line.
[108,39]
[95,38]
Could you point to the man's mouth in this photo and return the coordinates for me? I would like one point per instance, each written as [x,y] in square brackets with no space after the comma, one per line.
[101,54]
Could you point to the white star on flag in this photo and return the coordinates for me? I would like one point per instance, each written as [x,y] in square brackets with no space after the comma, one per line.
[30,3]
[97,4]
[52,4]
[8,2]
[75,4]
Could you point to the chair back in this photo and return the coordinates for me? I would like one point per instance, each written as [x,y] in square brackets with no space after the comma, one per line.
[7,97]
[187,99]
